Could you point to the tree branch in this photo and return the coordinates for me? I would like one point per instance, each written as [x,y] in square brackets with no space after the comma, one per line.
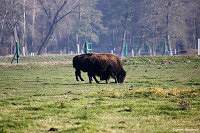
[44,9]
[66,14]
[19,16]
[58,11]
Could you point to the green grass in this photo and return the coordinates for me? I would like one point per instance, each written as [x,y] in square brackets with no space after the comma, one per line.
[160,94]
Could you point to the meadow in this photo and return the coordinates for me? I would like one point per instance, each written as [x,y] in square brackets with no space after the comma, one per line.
[160,94]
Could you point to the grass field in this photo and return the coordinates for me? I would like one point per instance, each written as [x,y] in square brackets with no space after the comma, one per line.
[160,94]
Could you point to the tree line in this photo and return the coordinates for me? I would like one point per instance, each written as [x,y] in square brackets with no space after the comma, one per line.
[57,26]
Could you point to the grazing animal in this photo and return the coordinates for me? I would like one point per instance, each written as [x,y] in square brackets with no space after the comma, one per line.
[98,66]
[79,63]
[102,65]
[116,70]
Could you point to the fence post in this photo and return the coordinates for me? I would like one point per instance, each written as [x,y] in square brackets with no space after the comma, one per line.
[24,51]
[78,49]
[166,49]
[17,52]
[126,50]
[88,47]
[132,51]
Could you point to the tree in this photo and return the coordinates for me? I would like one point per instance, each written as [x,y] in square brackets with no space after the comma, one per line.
[192,20]
[117,18]
[89,22]
[10,15]
[53,17]
[57,25]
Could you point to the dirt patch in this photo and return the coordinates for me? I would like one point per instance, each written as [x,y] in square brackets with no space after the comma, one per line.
[36,63]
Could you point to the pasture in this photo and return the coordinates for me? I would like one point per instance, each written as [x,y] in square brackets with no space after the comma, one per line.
[160,94]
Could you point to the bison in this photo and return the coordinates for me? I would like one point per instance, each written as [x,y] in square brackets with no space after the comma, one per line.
[102,65]
[116,70]
[79,63]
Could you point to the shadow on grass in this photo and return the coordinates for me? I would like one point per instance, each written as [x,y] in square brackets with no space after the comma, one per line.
[45,83]
[33,81]
[77,84]
[90,84]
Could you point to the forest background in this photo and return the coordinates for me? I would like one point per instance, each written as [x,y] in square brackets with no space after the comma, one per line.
[149,27]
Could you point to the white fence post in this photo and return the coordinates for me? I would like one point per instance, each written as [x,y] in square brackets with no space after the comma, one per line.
[132,51]
[23,51]
[78,49]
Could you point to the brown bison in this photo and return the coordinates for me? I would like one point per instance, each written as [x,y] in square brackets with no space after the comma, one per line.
[102,65]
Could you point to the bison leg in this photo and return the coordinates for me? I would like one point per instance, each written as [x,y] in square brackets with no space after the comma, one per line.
[114,77]
[106,81]
[81,78]
[78,74]
[115,80]
[95,79]
[90,78]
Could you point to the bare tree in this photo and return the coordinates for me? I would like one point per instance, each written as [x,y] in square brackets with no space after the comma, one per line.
[33,25]
[11,16]
[53,18]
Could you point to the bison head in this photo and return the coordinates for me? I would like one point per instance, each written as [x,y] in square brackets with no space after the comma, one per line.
[121,76]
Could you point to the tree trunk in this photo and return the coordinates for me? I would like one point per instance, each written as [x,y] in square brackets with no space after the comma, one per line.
[67,47]
[46,40]
[33,28]
[53,23]
[169,45]
[124,32]
[155,45]
[123,43]
[24,28]
[196,34]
